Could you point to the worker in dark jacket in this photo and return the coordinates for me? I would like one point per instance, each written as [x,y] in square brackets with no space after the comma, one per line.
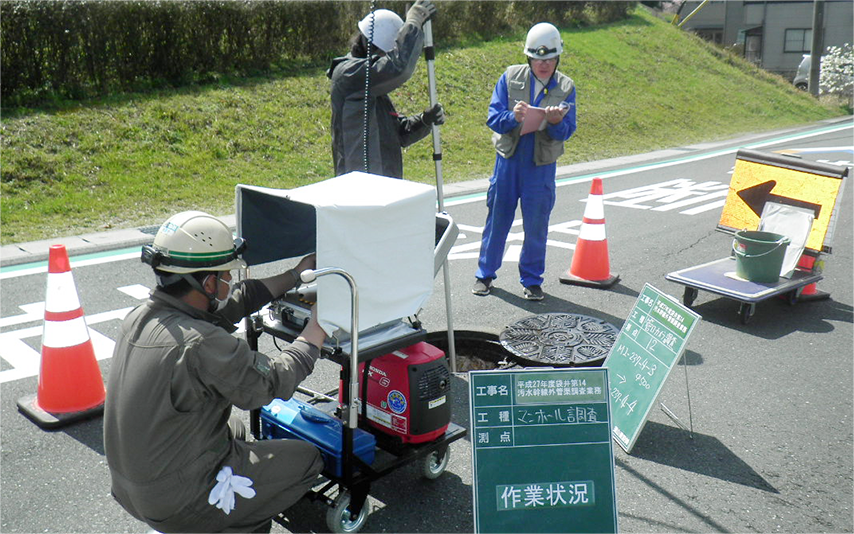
[176,455]
[394,47]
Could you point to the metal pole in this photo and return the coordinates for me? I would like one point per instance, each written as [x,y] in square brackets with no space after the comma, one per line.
[686,19]
[688,393]
[816,47]
[429,55]
[669,413]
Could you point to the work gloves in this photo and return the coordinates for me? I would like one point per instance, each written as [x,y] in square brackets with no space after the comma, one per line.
[222,495]
[420,12]
[433,115]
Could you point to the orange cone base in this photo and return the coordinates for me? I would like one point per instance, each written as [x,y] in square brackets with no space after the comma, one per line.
[813,294]
[569,278]
[29,406]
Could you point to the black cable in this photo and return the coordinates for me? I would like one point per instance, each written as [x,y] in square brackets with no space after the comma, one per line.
[367,85]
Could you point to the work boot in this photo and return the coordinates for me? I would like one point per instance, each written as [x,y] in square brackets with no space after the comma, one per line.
[482,286]
[533,293]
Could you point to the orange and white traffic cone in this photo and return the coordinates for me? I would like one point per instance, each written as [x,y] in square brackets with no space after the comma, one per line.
[70,383]
[590,264]
[811,292]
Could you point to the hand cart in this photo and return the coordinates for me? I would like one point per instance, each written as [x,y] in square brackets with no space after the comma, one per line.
[347,494]
[779,194]
[718,277]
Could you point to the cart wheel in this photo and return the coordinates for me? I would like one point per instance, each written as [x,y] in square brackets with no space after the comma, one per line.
[339,519]
[435,463]
[746,311]
[793,296]
[688,296]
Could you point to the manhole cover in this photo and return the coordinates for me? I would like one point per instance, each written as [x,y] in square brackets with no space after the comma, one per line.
[559,339]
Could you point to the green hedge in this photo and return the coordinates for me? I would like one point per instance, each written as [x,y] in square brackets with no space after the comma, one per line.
[78,49]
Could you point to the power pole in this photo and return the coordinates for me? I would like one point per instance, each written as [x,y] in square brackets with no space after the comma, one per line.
[817,46]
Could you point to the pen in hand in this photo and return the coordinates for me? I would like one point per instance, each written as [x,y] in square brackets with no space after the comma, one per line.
[520,110]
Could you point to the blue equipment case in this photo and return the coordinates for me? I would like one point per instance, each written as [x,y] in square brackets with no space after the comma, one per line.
[295,419]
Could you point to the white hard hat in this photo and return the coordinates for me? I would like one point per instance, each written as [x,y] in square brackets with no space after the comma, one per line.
[543,42]
[386,25]
[193,241]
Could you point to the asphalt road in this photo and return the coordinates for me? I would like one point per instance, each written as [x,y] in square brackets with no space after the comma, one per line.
[770,401]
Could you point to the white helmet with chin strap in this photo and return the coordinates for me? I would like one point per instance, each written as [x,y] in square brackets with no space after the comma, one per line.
[543,42]
[191,242]
[386,24]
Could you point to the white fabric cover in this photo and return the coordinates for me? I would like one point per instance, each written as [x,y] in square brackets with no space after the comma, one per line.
[793,222]
[380,230]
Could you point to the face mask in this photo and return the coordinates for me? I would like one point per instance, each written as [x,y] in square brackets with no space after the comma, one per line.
[221,303]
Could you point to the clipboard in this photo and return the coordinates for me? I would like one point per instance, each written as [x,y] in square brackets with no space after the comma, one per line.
[535,118]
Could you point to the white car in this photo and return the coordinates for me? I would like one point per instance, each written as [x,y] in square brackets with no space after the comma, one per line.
[802,77]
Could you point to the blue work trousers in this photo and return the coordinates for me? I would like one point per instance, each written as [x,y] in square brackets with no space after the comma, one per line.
[518,181]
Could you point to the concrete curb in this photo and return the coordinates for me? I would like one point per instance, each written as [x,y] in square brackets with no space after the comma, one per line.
[37,251]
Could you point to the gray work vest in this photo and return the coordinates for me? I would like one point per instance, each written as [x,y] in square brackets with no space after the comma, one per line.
[546,149]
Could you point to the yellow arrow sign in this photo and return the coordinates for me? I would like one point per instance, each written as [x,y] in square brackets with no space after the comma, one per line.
[762,177]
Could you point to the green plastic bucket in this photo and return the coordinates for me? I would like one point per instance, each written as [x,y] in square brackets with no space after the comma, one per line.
[759,255]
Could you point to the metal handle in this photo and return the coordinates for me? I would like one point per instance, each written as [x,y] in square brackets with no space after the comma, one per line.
[782,241]
[311,275]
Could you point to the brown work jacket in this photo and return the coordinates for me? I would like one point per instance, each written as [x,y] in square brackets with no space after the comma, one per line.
[175,374]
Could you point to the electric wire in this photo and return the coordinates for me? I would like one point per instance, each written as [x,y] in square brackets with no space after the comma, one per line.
[368,85]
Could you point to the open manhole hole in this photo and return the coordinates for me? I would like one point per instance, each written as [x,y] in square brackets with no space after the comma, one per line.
[559,340]
[475,351]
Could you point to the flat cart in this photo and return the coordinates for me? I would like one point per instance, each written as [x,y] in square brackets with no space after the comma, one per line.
[780,194]
[347,495]
[718,277]
[351,221]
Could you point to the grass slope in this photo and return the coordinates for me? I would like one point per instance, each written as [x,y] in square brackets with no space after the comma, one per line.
[135,159]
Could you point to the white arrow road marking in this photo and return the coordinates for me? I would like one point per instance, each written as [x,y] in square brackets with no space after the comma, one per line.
[136,291]
[32,312]
[471,250]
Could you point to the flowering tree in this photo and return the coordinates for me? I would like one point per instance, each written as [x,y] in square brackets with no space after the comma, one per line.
[837,70]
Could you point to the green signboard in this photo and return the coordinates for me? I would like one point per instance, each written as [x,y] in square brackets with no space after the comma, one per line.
[648,346]
[542,451]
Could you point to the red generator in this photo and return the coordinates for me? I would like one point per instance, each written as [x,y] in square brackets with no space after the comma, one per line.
[409,393]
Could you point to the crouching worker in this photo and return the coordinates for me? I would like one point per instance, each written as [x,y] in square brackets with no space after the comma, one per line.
[177,457]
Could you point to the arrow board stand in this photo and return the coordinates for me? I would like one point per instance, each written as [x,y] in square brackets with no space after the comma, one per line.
[762,180]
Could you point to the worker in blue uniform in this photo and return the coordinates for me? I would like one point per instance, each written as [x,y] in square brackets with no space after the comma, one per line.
[525,165]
